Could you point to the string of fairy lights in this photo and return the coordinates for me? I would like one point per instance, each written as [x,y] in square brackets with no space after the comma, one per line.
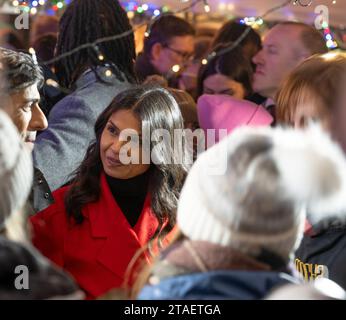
[132,7]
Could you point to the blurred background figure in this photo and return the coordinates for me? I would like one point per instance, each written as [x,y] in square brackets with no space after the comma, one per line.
[188,78]
[231,31]
[229,73]
[50,92]
[170,42]
[283,48]
[43,25]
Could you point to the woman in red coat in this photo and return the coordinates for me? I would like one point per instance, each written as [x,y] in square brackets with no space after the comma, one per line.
[122,197]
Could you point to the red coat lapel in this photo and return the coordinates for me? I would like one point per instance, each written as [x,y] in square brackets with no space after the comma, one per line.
[123,241]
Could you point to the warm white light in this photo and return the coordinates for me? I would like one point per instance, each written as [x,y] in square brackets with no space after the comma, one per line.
[130,14]
[41,2]
[222,6]
[108,73]
[204,61]
[52,83]
[176,68]
[15,3]
[207,8]
[101,57]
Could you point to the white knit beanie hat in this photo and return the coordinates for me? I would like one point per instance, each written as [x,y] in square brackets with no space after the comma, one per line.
[16,170]
[270,178]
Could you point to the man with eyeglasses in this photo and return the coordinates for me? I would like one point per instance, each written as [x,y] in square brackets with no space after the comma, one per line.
[170,43]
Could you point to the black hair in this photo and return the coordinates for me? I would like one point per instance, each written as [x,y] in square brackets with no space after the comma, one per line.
[85,21]
[20,71]
[164,29]
[231,64]
[232,30]
[156,108]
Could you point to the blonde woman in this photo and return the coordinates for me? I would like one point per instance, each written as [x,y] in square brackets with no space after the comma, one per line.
[315,92]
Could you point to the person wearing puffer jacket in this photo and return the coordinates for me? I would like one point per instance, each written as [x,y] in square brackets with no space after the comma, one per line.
[241,214]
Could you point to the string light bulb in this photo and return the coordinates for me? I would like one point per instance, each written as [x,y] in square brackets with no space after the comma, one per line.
[206,6]
[99,54]
[176,68]
[108,73]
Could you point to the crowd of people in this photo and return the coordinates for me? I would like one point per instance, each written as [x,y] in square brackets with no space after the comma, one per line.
[122,176]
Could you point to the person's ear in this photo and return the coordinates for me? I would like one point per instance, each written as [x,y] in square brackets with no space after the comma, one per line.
[156,50]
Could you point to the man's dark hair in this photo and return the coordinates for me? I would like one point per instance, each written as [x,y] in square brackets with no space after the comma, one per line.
[164,29]
[19,71]
[85,21]
[232,30]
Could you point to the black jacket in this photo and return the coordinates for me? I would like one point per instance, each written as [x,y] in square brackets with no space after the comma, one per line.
[41,196]
[322,253]
[43,280]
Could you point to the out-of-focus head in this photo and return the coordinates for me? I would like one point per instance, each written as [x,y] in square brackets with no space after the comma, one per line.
[251,191]
[170,42]
[43,25]
[315,91]
[20,95]
[45,46]
[283,48]
[188,107]
[16,176]
[232,30]
[227,73]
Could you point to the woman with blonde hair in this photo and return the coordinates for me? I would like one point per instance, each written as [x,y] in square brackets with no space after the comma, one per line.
[315,91]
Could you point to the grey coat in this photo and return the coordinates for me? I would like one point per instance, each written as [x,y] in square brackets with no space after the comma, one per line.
[62,146]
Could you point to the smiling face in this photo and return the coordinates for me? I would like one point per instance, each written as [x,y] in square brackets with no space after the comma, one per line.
[111,146]
[281,52]
[23,108]
[220,84]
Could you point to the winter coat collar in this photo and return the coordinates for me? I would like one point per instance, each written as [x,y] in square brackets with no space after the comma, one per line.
[178,259]
[113,225]
[89,77]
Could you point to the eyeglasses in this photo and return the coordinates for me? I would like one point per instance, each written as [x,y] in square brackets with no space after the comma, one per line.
[185,55]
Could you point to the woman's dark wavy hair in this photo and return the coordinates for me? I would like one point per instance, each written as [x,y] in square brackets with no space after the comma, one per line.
[85,21]
[231,64]
[156,108]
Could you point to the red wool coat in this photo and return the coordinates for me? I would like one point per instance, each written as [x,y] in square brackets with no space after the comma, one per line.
[97,252]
